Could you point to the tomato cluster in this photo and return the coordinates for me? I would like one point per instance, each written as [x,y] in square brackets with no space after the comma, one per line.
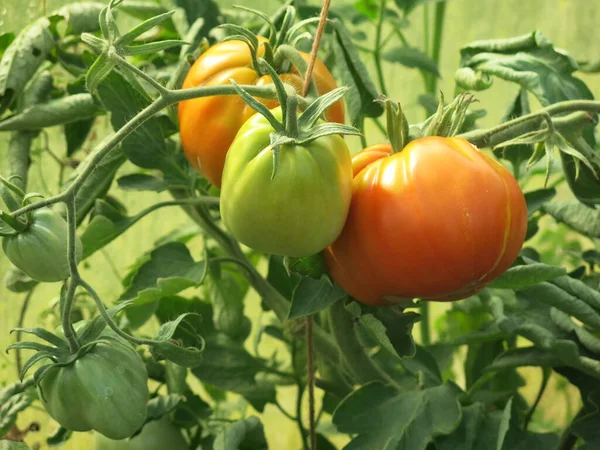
[437,220]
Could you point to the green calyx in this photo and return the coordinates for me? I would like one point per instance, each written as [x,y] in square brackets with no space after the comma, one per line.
[291,129]
[397,125]
[448,120]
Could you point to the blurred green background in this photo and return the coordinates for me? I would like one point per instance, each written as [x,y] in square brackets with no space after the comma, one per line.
[569,24]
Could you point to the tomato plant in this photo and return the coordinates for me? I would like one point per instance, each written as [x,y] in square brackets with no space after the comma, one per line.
[195,261]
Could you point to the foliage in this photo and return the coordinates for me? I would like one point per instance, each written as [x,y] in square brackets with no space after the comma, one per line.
[381,386]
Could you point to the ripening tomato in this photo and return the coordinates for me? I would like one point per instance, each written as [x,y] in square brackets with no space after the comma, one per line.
[438,221]
[208,125]
[299,211]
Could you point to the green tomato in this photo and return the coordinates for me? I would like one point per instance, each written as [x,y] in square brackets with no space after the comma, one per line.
[303,208]
[156,435]
[41,250]
[105,390]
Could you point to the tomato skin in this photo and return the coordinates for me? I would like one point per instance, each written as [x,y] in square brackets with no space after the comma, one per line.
[303,208]
[156,435]
[104,390]
[437,221]
[208,125]
[41,250]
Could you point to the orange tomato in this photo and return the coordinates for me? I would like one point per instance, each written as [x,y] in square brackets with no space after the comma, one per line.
[208,125]
[437,221]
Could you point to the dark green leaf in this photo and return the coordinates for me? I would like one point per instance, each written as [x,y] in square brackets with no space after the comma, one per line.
[58,437]
[381,417]
[535,199]
[581,218]
[527,275]
[247,434]
[423,366]
[360,98]
[391,327]
[228,366]
[413,58]
[142,182]
[169,270]
[311,296]
[207,10]
[283,281]
[55,112]
[225,287]
[22,58]
[178,341]
[76,133]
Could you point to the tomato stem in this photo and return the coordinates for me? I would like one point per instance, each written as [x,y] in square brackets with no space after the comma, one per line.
[425,322]
[379,46]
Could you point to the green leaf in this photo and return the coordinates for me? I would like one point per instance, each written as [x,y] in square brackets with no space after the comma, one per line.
[178,341]
[478,430]
[579,217]
[382,417]
[363,93]
[516,154]
[532,62]
[307,266]
[81,17]
[527,275]
[247,434]
[208,10]
[58,437]
[413,58]
[226,287]
[169,270]
[391,327]
[12,445]
[142,182]
[22,58]
[61,111]
[311,296]
[15,398]
[143,27]
[228,366]
[146,147]
[536,199]
[278,276]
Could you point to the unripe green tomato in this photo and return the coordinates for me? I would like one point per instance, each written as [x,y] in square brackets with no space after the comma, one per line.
[105,390]
[156,435]
[41,250]
[303,208]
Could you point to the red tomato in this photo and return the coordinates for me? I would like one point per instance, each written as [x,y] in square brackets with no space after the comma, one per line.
[437,221]
[209,124]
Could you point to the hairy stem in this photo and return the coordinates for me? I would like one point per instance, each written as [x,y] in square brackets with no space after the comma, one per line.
[20,324]
[67,306]
[379,47]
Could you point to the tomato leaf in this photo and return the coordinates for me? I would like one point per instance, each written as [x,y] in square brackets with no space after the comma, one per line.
[247,434]
[169,270]
[22,58]
[533,62]
[527,275]
[226,288]
[178,341]
[412,58]
[15,398]
[382,417]
[228,366]
[311,296]
[391,327]
[481,429]
[579,217]
[536,199]
[363,93]
[142,182]
[207,10]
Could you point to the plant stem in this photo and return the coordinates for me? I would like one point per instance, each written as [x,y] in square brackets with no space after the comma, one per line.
[68,330]
[425,329]
[546,372]
[315,47]
[298,397]
[379,47]
[310,381]
[361,365]
[426,28]
[20,323]
[440,12]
